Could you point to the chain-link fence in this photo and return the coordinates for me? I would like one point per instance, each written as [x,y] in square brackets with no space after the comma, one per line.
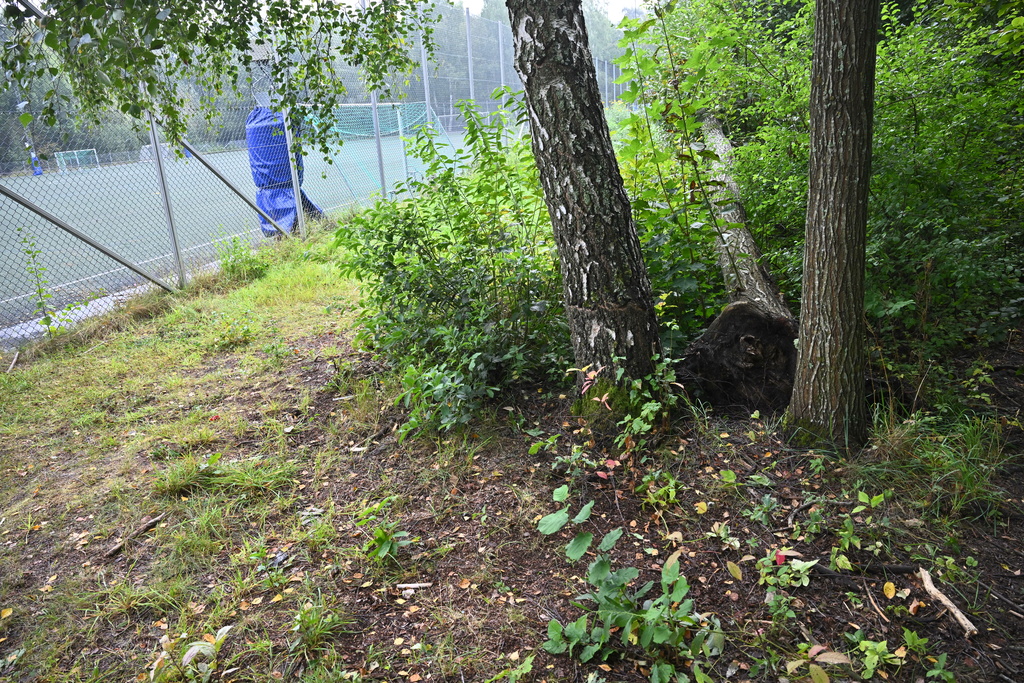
[93,213]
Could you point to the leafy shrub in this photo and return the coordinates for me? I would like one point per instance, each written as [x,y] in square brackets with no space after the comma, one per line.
[461,283]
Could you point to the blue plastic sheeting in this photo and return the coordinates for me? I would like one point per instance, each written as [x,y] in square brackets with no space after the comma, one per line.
[268,159]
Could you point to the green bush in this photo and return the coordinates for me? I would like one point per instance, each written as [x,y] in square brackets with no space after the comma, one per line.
[461,283]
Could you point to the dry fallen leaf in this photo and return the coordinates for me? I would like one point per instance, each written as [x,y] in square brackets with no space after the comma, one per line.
[464,583]
[735,570]
[6,612]
[701,507]
[832,658]
[673,558]
[277,598]
[889,589]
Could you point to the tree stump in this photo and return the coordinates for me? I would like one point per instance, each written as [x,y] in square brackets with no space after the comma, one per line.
[746,359]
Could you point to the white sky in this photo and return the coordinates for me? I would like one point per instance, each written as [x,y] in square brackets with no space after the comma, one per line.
[615,7]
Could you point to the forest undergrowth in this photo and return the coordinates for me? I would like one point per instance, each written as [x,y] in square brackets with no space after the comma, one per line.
[221,490]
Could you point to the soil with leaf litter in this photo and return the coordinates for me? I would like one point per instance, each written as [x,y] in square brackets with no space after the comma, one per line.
[471,596]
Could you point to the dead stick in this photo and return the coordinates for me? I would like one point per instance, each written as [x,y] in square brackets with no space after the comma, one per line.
[16,354]
[141,530]
[961,618]
[875,604]
[406,586]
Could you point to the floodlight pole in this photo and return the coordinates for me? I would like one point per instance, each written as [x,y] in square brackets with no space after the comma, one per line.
[161,178]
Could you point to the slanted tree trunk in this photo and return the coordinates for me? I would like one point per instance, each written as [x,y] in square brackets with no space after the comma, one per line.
[747,357]
[829,402]
[608,298]
[746,277]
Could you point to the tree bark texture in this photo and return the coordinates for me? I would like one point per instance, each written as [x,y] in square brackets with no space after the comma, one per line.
[739,258]
[608,298]
[746,358]
[829,401]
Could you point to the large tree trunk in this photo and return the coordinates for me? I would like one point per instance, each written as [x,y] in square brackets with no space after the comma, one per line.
[746,358]
[829,402]
[608,297]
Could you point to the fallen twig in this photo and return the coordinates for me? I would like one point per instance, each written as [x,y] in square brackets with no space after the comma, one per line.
[146,526]
[961,618]
[843,579]
[999,596]
[15,360]
[875,604]
[404,586]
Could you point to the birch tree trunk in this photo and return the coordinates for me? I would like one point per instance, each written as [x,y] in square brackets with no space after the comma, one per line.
[739,257]
[829,398]
[608,298]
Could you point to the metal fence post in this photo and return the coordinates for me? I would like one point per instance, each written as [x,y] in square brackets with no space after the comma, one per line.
[380,149]
[501,54]
[607,98]
[469,57]
[161,179]
[426,76]
[401,135]
[293,167]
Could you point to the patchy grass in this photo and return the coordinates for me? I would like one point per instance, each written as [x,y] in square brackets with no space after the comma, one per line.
[292,514]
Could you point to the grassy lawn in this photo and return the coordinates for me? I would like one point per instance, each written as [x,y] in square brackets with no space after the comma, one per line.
[224,458]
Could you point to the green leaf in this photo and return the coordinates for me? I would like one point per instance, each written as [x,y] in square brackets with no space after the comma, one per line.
[584,514]
[554,522]
[863,497]
[578,546]
[610,539]
[555,644]
[25,119]
[662,672]
[600,569]
[589,651]
[560,494]
[818,674]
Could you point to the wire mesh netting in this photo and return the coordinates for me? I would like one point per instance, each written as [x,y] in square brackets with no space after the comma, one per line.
[103,183]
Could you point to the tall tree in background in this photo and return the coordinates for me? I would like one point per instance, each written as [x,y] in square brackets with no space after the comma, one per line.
[608,298]
[828,401]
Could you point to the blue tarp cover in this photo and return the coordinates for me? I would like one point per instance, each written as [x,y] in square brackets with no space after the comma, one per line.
[268,159]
